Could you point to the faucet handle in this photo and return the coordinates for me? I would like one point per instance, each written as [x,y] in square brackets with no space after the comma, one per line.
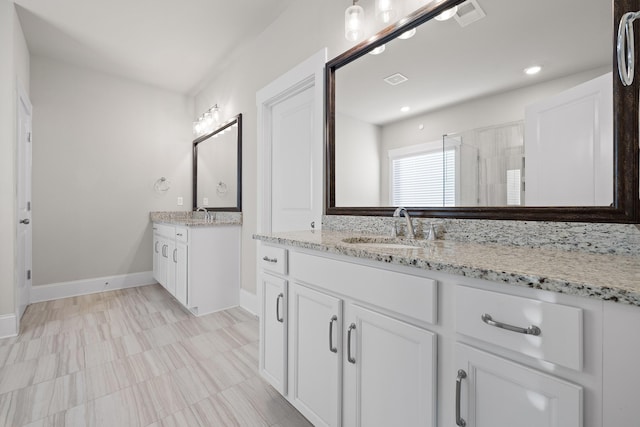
[394,229]
[432,232]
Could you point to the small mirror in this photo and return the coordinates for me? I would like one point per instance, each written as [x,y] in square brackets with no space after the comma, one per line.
[217,168]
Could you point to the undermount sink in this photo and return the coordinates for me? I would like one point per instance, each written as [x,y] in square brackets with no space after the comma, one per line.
[381,242]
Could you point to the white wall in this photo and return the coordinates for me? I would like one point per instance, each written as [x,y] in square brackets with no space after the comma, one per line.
[100,143]
[14,67]
[357,162]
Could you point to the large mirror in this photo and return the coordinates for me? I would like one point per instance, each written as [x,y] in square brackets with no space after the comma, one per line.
[453,119]
[217,168]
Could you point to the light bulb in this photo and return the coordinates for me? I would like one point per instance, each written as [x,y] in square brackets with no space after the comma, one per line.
[385,10]
[216,114]
[533,70]
[353,23]
[447,14]
[378,50]
[407,34]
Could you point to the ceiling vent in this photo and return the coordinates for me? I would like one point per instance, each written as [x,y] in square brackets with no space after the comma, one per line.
[469,12]
[395,79]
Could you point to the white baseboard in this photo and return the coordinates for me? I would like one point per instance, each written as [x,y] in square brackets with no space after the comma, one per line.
[8,326]
[249,302]
[90,286]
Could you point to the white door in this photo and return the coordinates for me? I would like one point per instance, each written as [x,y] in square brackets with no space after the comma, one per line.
[568,147]
[24,204]
[315,355]
[495,392]
[294,202]
[273,332]
[389,371]
[291,147]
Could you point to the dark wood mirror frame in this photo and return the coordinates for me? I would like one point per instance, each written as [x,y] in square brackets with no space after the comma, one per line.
[238,207]
[626,200]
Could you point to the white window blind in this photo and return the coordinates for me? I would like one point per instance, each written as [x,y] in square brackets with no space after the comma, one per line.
[424,179]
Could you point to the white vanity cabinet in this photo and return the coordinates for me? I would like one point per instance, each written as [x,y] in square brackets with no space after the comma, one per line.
[199,266]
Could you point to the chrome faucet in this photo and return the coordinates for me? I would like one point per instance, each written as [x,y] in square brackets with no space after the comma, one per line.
[208,216]
[403,211]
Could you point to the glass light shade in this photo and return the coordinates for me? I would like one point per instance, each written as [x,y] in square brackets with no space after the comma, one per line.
[407,34]
[353,23]
[385,10]
[447,14]
[378,50]
[216,114]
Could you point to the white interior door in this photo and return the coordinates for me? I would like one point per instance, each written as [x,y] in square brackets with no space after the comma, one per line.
[569,147]
[290,148]
[294,202]
[24,203]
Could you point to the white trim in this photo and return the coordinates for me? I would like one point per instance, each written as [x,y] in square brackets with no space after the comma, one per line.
[60,290]
[309,73]
[8,326]
[249,302]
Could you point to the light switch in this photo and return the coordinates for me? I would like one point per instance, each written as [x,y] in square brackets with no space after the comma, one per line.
[180,201]
[205,201]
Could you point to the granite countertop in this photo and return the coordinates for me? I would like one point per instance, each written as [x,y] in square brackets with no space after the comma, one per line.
[197,219]
[607,277]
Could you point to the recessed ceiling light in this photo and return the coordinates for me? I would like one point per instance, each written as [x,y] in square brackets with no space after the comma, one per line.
[447,14]
[533,70]
[378,50]
[407,34]
[405,109]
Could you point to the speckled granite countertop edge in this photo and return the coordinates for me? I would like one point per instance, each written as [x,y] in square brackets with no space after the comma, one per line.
[598,287]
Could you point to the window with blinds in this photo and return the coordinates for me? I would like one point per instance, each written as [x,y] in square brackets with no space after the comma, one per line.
[424,179]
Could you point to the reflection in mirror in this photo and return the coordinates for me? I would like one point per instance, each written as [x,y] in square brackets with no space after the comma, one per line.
[455,117]
[217,168]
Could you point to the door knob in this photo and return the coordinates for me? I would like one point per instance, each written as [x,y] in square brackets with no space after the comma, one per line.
[25,221]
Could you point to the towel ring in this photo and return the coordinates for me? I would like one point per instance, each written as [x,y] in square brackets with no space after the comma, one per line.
[625,47]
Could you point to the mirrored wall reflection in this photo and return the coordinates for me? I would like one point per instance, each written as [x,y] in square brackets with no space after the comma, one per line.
[457,116]
[217,168]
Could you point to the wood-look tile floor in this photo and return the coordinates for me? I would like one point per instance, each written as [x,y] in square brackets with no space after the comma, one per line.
[134,357]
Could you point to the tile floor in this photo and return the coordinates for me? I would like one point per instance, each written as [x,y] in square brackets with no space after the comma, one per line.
[134,357]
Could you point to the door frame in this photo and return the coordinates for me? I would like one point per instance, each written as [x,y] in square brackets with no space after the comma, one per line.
[22,102]
[309,73]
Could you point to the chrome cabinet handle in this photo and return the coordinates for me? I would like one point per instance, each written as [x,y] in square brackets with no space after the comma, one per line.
[349,357]
[25,221]
[625,47]
[334,319]
[273,260]
[531,330]
[461,375]
[163,250]
[278,318]
[175,259]
[155,247]
[179,234]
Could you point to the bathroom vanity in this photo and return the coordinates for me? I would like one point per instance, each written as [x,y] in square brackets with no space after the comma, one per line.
[358,331]
[198,260]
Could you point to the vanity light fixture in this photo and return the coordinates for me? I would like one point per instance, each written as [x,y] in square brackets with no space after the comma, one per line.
[354,22]
[378,50]
[385,10]
[532,70]
[207,121]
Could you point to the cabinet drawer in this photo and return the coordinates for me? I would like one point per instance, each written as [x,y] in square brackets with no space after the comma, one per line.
[273,259]
[510,322]
[182,234]
[164,230]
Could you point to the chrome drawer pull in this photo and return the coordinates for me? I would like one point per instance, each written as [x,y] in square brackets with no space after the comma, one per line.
[349,357]
[461,375]
[175,252]
[273,260]
[278,318]
[531,330]
[333,349]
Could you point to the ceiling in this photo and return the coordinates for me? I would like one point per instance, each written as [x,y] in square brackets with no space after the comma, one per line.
[173,44]
[447,64]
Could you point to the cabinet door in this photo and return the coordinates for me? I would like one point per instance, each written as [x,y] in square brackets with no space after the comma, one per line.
[181,270]
[157,246]
[273,331]
[315,355]
[389,371]
[172,258]
[163,261]
[494,392]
